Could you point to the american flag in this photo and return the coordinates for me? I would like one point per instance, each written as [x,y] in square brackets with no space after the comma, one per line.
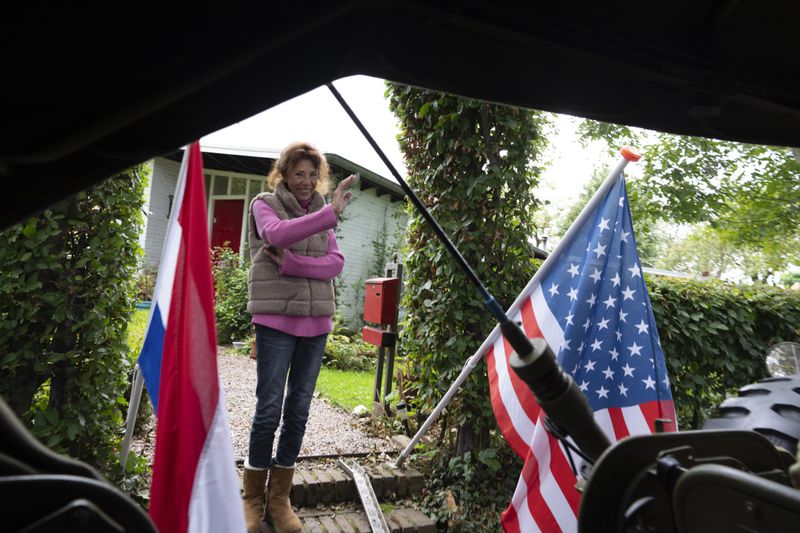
[591,305]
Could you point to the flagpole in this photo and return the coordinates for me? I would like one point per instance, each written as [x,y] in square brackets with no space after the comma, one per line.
[628,154]
[138,381]
[130,420]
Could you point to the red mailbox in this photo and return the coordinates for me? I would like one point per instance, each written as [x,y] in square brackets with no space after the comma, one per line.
[380,300]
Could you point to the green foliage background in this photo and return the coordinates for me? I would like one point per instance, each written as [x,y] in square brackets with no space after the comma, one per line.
[715,337]
[230,304]
[747,197]
[66,276]
[470,162]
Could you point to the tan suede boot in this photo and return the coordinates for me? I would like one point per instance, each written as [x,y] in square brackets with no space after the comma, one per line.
[279,508]
[253,497]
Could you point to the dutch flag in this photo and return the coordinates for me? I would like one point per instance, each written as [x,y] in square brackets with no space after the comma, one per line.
[195,485]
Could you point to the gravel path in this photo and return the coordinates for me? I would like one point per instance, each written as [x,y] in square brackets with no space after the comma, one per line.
[330,429]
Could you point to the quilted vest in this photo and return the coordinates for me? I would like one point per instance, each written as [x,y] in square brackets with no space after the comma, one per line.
[272,293]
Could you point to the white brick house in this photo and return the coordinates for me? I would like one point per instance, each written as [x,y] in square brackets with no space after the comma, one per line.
[233,177]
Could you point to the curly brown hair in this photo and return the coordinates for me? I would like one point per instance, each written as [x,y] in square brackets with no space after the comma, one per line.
[293,154]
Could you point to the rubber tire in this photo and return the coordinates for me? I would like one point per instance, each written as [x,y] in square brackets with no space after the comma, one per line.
[770,407]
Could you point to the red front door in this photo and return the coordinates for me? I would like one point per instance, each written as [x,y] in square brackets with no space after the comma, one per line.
[226,229]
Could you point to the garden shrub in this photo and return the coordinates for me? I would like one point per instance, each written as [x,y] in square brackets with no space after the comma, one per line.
[230,306]
[67,279]
[715,337]
[349,353]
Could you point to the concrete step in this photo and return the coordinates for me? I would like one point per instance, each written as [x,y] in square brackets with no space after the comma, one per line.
[400,520]
[332,485]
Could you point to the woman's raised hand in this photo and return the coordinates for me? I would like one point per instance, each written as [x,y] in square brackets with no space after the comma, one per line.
[341,195]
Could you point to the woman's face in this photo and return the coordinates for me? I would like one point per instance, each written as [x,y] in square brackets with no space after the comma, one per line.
[302,180]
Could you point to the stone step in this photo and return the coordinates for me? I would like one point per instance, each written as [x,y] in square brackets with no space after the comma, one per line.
[400,520]
[333,485]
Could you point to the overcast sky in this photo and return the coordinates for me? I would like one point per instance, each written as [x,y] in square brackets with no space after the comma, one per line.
[318,118]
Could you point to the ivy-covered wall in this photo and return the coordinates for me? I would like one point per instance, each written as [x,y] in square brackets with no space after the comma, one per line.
[471,163]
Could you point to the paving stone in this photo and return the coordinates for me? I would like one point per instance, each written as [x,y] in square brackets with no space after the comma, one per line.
[424,523]
[345,526]
[298,492]
[360,522]
[402,483]
[327,486]
[415,481]
[330,485]
[376,480]
[329,524]
[312,525]
[343,485]
[389,480]
[398,519]
[310,488]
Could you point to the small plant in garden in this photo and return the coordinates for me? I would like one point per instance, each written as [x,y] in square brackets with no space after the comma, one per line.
[145,283]
[346,353]
[345,350]
[230,285]
[468,492]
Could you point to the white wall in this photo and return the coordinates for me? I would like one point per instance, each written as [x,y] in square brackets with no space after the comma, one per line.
[364,218]
[162,184]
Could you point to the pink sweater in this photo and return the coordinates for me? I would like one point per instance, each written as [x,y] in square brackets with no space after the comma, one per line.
[282,234]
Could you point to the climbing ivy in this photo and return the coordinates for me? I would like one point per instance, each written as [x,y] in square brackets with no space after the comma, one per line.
[472,164]
[67,279]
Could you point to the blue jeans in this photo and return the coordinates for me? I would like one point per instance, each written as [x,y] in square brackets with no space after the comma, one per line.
[279,354]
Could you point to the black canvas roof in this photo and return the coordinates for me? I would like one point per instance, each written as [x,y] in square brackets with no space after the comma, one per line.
[88,93]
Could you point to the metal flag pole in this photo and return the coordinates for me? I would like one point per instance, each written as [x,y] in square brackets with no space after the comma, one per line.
[509,329]
[130,419]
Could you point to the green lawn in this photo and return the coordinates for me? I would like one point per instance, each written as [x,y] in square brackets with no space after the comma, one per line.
[136,330]
[345,388]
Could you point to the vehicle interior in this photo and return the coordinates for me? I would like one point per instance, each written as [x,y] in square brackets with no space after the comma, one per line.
[90,92]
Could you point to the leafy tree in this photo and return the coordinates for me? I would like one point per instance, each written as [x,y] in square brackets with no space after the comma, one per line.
[700,252]
[67,277]
[471,163]
[747,196]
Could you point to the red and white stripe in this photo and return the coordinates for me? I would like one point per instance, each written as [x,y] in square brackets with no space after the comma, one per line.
[195,485]
[545,498]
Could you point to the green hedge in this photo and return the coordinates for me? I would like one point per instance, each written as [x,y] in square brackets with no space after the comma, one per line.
[715,337]
[66,276]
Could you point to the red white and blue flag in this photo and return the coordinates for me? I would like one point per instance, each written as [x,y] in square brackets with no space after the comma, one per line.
[591,305]
[195,485]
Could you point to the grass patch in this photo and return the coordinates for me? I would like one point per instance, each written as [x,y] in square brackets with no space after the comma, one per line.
[346,388]
[136,329]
